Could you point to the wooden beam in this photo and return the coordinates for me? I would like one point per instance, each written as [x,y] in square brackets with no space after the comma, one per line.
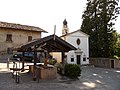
[23,61]
[35,59]
[63,54]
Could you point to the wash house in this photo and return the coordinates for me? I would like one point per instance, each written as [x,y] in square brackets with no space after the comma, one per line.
[45,45]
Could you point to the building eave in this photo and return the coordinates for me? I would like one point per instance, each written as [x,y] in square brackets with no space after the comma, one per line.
[74,32]
[21,27]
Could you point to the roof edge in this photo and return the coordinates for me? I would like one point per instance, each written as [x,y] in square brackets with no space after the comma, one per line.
[20,26]
[74,32]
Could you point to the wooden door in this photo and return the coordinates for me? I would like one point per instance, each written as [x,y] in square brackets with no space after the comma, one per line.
[78,59]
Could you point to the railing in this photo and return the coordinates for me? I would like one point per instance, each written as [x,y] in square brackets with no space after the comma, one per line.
[16,71]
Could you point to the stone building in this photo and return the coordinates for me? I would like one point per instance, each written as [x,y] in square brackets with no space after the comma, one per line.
[12,35]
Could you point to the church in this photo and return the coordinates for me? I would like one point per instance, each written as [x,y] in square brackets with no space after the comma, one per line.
[79,40]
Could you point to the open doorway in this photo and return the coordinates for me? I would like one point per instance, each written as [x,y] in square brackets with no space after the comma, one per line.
[112,63]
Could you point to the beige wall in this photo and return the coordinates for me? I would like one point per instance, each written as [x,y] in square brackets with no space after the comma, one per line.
[18,36]
[57,56]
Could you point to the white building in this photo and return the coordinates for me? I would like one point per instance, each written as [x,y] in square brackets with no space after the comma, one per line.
[81,41]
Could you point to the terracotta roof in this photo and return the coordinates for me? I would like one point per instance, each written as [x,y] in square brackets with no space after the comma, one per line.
[21,27]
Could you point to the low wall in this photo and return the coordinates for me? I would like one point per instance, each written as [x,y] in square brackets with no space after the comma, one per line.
[117,64]
[44,73]
[105,62]
[48,73]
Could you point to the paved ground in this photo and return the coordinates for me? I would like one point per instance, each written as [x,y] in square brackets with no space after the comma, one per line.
[91,79]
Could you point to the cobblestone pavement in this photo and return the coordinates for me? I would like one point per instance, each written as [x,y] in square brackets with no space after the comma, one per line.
[92,78]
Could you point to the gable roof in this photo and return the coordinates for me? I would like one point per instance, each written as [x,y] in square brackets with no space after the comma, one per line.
[49,43]
[21,27]
[75,32]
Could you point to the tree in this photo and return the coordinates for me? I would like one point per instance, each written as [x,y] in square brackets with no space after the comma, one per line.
[117,45]
[98,23]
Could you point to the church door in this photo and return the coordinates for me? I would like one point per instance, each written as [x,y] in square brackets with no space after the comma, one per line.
[78,59]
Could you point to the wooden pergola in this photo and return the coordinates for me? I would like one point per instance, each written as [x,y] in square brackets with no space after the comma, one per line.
[50,43]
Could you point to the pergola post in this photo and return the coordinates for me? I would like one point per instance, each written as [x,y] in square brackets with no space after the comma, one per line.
[35,61]
[63,62]
[63,55]
[46,58]
[23,61]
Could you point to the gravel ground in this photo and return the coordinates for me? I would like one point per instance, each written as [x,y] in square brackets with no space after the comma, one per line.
[92,78]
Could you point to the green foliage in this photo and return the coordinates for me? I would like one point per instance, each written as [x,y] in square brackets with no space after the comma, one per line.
[116,57]
[98,23]
[117,49]
[72,70]
[52,61]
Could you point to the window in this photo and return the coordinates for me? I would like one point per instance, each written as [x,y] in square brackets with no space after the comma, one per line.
[29,38]
[9,50]
[9,37]
[72,59]
[84,59]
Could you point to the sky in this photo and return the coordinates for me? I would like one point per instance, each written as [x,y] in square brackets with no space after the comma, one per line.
[45,13]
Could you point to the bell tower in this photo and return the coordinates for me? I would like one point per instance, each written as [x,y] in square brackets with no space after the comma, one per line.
[65,29]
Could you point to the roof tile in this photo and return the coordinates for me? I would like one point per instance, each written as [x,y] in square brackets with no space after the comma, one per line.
[19,26]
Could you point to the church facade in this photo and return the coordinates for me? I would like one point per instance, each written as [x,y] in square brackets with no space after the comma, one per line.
[81,41]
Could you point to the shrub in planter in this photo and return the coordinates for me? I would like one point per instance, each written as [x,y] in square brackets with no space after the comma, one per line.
[72,71]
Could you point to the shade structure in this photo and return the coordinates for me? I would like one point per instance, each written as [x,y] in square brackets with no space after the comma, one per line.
[50,43]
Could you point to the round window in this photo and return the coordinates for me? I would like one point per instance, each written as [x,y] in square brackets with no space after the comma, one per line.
[78,41]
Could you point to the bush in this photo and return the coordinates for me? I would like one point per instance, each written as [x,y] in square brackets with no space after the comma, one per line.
[72,71]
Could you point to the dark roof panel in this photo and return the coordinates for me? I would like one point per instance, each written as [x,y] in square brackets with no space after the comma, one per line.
[51,43]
